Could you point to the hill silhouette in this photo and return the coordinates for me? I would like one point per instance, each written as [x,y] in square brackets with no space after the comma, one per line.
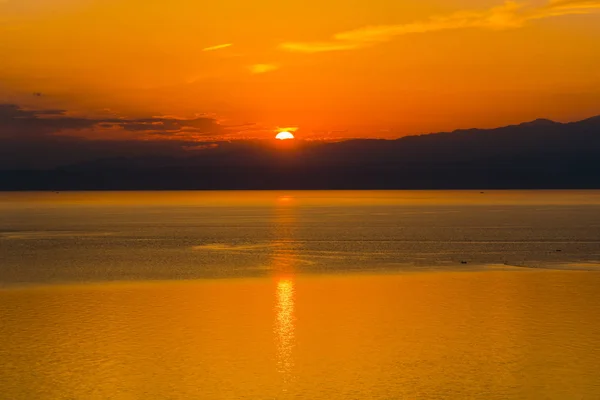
[536,154]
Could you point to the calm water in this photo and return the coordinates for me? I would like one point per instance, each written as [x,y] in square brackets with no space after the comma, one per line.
[267,295]
[74,237]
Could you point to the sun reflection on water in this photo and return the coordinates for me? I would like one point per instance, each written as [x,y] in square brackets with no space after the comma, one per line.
[284,260]
[285,326]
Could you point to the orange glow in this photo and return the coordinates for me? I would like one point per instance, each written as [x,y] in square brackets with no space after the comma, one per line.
[284,136]
[380,68]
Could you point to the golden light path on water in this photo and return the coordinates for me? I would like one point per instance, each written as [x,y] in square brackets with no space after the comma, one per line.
[284,260]
[285,327]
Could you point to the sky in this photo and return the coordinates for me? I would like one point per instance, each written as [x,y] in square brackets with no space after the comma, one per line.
[237,69]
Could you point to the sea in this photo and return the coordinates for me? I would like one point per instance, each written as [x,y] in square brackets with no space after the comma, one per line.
[300,294]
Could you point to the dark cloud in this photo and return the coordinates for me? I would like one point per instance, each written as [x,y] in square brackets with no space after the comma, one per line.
[171,125]
[14,111]
[14,121]
[37,139]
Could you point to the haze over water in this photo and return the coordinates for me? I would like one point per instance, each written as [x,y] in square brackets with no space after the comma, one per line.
[219,295]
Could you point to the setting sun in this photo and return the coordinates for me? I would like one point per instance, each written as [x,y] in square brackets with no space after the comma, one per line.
[284,136]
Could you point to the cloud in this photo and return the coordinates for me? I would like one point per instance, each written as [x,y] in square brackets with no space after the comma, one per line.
[169,125]
[556,8]
[49,138]
[18,122]
[288,129]
[574,3]
[506,16]
[318,47]
[217,47]
[262,68]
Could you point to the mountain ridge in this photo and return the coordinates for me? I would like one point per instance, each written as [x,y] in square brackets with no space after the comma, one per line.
[535,154]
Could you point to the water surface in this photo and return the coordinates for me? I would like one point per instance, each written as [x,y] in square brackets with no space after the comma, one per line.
[80,237]
[281,295]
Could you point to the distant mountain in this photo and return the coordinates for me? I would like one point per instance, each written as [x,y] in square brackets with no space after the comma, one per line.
[536,154]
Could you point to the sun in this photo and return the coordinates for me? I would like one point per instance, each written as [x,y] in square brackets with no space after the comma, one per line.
[284,136]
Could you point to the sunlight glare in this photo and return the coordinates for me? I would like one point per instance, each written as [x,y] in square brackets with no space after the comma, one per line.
[284,136]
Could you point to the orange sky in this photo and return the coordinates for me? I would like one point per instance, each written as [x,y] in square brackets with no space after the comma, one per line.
[334,69]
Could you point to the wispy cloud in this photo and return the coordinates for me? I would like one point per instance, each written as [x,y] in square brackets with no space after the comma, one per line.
[557,8]
[506,16]
[287,129]
[262,68]
[218,47]
[318,47]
